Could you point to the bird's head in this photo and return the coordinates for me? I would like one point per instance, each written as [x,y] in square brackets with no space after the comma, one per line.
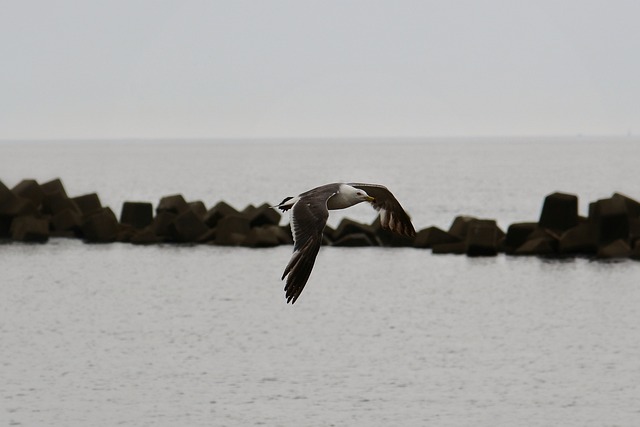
[362,195]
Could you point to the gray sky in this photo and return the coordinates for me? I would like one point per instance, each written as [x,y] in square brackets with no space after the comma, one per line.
[287,68]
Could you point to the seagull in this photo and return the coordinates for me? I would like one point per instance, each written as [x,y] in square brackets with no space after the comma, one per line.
[309,213]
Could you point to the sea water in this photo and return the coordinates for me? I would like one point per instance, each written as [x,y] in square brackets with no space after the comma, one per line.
[168,335]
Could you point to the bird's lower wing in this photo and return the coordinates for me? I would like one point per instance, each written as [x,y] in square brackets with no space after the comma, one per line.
[299,269]
[308,219]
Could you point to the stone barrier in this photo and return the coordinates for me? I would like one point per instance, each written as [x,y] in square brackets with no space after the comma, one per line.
[34,212]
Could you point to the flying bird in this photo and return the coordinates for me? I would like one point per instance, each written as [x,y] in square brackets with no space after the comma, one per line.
[309,213]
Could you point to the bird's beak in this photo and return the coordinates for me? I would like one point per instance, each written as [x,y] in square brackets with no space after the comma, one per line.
[371,199]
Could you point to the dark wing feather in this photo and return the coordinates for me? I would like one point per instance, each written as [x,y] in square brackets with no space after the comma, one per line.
[308,220]
[392,216]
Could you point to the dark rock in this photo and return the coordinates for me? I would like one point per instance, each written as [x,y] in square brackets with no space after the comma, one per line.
[17,206]
[125,233]
[175,204]
[67,220]
[482,238]
[635,253]
[581,239]
[65,234]
[460,226]
[617,249]
[55,202]
[248,210]
[137,214]
[262,237]
[264,215]
[5,226]
[162,222]
[30,229]
[633,206]
[198,208]
[88,203]
[53,186]
[232,230]
[634,229]
[559,212]
[353,240]
[611,218]
[208,237]
[517,234]
[428,237]
[283,233]
[145,236]
[5,194]
[348,226]
[29,189]
[538,246]
[100,227]
[457,248]
[219,211]
[187,227]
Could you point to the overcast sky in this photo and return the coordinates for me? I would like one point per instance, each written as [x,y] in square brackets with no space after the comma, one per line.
[288,68]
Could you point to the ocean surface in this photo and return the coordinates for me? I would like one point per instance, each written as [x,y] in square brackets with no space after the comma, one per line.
[177,335]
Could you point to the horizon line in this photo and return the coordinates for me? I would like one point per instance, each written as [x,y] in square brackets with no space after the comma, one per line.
[325,138]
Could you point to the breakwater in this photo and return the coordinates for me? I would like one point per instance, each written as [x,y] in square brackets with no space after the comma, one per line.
[36,212]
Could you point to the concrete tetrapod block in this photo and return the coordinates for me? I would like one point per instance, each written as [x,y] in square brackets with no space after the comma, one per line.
[198,208]
[633,206]
[262,237]
[460,226]
[187,227]
[232,230]
[17,206]
[30,229]
[559,212]
[175,204]
[146,236]
[611,218]
[5,226]
[87,203]
[136,214]
[57,201]
[5,194]
[634,230]
[482,238]
[517,234]
[430,236]
[457,248]
[219,211]
[5,220]
[53,186]
[12,205]
[29,189]
[537,246]
[635,252]
[162,222]
[101,227]
[66,220]
[617,249]
[264,215]
[581,239]
[348,226]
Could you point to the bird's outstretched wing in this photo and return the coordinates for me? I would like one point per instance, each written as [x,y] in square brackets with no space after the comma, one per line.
[392,216]
[308,219]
